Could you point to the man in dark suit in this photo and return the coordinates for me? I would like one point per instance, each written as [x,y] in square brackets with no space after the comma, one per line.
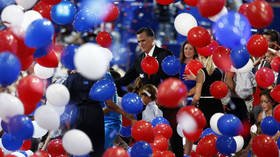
[146,42]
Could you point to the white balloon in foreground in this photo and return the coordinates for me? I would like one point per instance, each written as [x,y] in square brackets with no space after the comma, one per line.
[47,117]
[38,131]
[239,143]
[26,4]
[184,22]
[57,95]
[76,142]
[91,61]
[12,15]
[10,106]
[43,72]
[214,122]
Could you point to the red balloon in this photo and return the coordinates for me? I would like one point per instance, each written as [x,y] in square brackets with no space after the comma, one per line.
[8,41]
[112,13]
[168,153]
[171,92]
[207,50]
[276,113]
[44,8]
[150,65]
[194,154]
[263,146]
[275,93]
[221,58]
[275,63]
[210,8]
[207,146]
[30,91]
[257,45]
[1,153]
[10,155]
[193,136]
[41,153]
[53,2]
[218,89]
[160,143]
[243,9]
[50,60]
[125,121]
[256,97]
[157,153]
[26,145]
[191,2]
[196,113]
[164,2]
[142,131]
[193,67]
[55,147]
[260,14]
[116,152]
[199,37]
[163,129]
[104,39]
[25,61]
[264,77]
[23,50]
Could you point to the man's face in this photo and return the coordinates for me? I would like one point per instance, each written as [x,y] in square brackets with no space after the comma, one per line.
[145,42]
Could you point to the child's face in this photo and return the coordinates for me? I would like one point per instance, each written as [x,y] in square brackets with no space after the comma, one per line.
[145,99]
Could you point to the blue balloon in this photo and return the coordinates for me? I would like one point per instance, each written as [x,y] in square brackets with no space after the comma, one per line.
[39,33]
[226,145]
[9,68]
[63,13]
[10,142]
[102,90]
[159,120]
[229,125]
[278,143]
[170,65]
[4,126]
[20,126]
[125,131]
[67,57]
[239,57]
[269,126]
[141,149]
[84,20]
[41,52]
[132,103]
[4,3]
[232,30]
[207,131]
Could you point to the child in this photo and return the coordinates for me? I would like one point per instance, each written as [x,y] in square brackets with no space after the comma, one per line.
[148,95]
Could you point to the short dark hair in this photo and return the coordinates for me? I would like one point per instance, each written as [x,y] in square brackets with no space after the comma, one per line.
[274,35]
[147,30]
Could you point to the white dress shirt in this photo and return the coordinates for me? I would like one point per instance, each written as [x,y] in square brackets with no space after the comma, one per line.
[151,111]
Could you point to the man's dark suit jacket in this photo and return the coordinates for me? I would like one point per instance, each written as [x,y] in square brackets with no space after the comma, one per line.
[136,70]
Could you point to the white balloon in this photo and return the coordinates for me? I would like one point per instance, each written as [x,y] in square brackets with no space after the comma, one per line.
[254,129]
[214,122]
[38,131]
[214,18]
[47,117]
[180,130]
[239,142]
[91,61]
[10,106]
[43,72]
[247,67]
[0,125]
[184,22]
[18,154]
[76,142]
[29,152]
[26,4]
[59,109]
[187,122]
[12,15]
[28,18]
[57,95]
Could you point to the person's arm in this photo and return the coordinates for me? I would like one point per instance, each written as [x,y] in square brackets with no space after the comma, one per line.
[114,107]
[198,87]
[229,80]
